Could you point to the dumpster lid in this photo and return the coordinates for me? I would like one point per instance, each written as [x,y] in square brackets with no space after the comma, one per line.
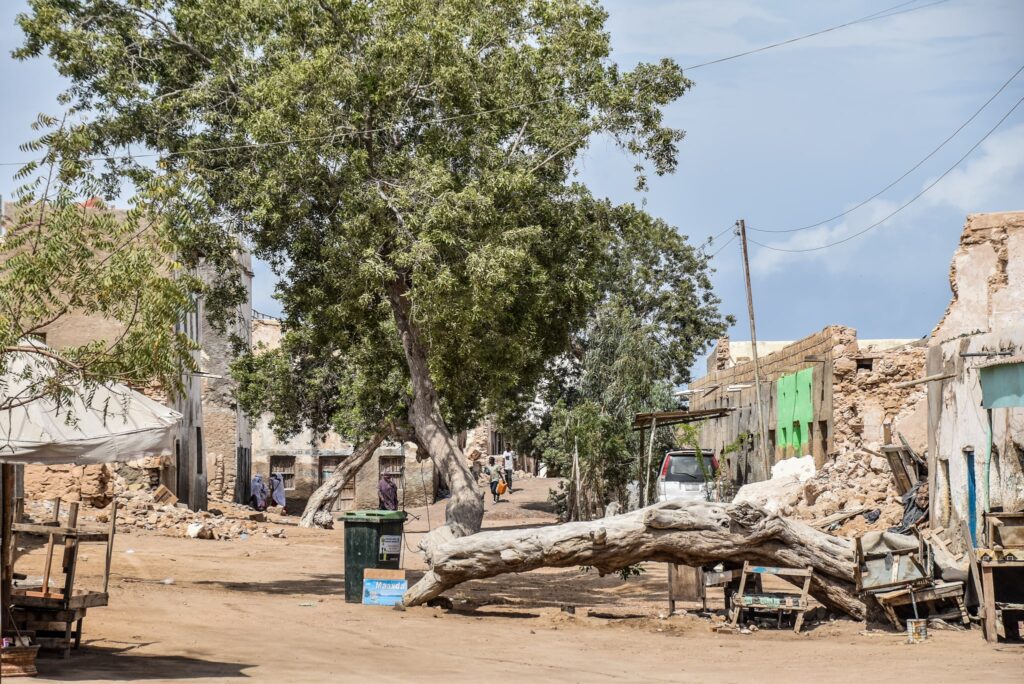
[375,516]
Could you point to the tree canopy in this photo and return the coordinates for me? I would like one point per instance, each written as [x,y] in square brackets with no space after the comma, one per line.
[401,163]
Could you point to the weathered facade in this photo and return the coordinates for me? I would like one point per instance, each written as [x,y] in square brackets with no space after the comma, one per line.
[305,462]
[195,466]
[227,433]
[824,393]
[975,412]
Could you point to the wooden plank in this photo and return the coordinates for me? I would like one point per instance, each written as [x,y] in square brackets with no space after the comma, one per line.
[43,530]
[989,601]
[110,545]
[974,569]
[164,496]
[82,600]
[790,572]
[830,520]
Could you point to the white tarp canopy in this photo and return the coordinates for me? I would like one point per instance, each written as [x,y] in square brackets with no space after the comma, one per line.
[115,423]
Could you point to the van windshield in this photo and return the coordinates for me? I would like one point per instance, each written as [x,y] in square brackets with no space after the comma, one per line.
[683,468]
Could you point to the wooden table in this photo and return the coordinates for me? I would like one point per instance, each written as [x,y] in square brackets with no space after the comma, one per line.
[992,606]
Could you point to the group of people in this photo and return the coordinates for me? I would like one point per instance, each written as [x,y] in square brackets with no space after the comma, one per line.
[262,495]
[501,473]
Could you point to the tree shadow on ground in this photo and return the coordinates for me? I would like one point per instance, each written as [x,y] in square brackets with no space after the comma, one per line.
[124,665]
[311,584]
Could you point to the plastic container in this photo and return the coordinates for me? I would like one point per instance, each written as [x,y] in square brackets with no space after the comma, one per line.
[373,539]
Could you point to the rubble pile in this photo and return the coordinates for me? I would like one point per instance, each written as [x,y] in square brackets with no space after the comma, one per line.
[224,519]
[849,481]
[138,511]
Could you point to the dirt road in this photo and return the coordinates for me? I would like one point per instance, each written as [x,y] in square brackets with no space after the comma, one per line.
[273,610]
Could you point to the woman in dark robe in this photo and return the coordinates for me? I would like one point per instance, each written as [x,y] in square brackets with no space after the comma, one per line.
[258,493]
[277,492]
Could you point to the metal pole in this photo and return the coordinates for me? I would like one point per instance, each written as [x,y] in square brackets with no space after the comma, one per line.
[753,345]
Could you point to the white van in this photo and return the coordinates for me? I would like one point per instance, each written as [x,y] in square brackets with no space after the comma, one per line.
[681,476]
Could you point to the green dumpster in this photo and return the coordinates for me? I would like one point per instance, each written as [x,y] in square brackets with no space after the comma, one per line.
[373,539]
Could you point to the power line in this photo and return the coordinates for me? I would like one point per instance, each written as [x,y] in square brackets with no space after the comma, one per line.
[722,248]
[710,240]
[915,167]
[881,14]
[909,202]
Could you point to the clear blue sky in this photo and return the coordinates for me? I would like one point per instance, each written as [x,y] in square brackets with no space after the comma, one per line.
[786,138]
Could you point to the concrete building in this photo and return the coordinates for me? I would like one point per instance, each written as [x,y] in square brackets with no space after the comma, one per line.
[305,462]
[976,402]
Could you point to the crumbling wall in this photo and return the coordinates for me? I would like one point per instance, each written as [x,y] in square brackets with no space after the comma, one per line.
[985,316]
[986,277]
[865,397]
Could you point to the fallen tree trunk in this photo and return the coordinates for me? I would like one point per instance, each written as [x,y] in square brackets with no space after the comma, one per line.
[318,508]
[691,533]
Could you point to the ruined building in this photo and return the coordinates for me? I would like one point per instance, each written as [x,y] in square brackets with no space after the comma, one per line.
[957,395]
[823,394]
[305,462]
[976,360]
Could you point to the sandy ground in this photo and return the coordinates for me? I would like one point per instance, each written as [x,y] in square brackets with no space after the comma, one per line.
[273,610]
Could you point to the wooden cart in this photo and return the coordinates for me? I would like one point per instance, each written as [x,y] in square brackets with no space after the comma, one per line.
[55,614]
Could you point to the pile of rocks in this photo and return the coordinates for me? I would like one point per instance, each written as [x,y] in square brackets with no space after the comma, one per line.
[138,511]
[224,519]
[850,480]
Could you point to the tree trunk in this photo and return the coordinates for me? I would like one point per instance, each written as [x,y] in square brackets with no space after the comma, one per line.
[690,533]
[464,512]
[318,508]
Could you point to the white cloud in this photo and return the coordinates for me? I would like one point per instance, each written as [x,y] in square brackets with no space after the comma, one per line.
[993,178]
[990,181]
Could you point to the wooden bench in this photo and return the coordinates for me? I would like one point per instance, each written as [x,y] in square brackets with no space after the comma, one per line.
[773,601]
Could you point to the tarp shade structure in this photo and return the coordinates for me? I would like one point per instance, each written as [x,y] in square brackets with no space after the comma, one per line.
[114,423]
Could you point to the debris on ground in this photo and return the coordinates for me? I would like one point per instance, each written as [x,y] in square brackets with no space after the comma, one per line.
[138,510]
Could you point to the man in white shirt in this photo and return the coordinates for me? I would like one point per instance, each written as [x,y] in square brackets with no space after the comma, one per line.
[510,464]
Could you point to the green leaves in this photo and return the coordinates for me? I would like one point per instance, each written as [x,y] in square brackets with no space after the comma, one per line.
[359,145]
[67,261]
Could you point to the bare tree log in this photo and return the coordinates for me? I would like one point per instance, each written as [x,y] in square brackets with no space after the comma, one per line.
[691,533]
[318,508]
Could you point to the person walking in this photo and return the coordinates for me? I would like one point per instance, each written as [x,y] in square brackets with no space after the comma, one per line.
[494,472]
[258,493]
[387,493]
[510,463]
[277,496]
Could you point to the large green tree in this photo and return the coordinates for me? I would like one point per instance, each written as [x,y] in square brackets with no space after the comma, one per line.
[397,160]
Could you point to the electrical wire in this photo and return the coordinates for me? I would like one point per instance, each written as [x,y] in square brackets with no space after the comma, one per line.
[915,167]
[707,243]
[906,204]
[727,243]
[881,14]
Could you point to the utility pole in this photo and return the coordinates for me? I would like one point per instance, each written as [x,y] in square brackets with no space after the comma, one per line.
[763,441]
